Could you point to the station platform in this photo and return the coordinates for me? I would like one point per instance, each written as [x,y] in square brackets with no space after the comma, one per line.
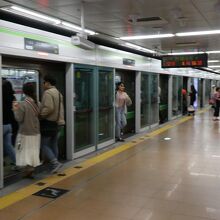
[172,173]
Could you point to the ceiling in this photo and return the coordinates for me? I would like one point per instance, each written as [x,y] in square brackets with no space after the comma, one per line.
[117,18]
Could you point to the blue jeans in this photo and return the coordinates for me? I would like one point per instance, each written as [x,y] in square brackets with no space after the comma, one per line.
[121,121]
[7,142]
[49,147]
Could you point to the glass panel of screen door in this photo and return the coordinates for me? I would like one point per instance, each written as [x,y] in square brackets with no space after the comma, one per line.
[84,103]
[105,105]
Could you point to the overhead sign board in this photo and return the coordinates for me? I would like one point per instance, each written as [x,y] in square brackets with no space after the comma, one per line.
[182,61]
[41,46]
[129,62]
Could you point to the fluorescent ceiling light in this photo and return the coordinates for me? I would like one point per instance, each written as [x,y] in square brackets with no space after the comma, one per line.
[139,47]
[140,37]
[213,51]
[185,34]
[148,50]
[75,27]
[185,53]
[213,61]
[217,66]
[27,12]
[38,16]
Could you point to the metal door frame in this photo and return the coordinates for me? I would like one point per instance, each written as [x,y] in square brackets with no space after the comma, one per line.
[170,96]
[138,102]
[70,109]
[1,132]
[153,125]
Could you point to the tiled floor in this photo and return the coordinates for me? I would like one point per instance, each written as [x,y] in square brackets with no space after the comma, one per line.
[178,179]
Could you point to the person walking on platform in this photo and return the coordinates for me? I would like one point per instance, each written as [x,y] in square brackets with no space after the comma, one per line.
[8,119]
[192,95]
[122,100]
[52,116]
[28,139]
[216,99]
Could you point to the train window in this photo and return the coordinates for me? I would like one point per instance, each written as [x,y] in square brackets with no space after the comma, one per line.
[18,77]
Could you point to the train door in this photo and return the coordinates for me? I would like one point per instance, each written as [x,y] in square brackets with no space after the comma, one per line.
[18,77]
[84,118]
[176,96]
[128,78]
[149,101]
[195,83]
[94,112]
[21,70]
[163,96]
[105,113]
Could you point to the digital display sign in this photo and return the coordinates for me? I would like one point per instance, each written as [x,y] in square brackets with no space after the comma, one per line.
[182,61]
[41,46]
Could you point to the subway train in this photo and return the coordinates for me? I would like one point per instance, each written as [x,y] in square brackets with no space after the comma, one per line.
[87,80]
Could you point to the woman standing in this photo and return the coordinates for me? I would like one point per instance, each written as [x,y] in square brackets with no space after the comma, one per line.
[28,139]
[216,99]
[122,100]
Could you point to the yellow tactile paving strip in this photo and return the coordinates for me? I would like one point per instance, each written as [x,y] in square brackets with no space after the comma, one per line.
[51,180]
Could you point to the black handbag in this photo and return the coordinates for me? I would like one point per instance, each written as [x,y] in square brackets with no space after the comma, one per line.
[50,128]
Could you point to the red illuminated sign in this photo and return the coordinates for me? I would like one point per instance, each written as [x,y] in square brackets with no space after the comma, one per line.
[182,61]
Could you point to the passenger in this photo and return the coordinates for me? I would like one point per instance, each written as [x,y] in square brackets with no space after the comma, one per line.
[52,115]
[184,101]
[216,99]
[28,138]
[213,90]
[8,119]
[122,100]
[192,95]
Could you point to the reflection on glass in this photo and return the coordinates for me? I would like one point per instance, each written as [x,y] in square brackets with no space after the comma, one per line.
[145,100]
[84,114]
[200,93]
[207,90]
[106,120]
[18,77]
[154,97]
[177,96]
[163,106]
[180,100]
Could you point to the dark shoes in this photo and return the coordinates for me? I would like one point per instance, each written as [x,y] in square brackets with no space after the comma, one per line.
[120,139]
[56,167]
[29,172]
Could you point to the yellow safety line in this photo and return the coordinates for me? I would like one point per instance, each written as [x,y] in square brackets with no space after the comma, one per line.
[51,180]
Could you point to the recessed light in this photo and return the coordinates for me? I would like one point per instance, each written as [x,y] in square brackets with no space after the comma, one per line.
[195,33]
[27,13]
[140,37]
[213,61]
[186,53]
